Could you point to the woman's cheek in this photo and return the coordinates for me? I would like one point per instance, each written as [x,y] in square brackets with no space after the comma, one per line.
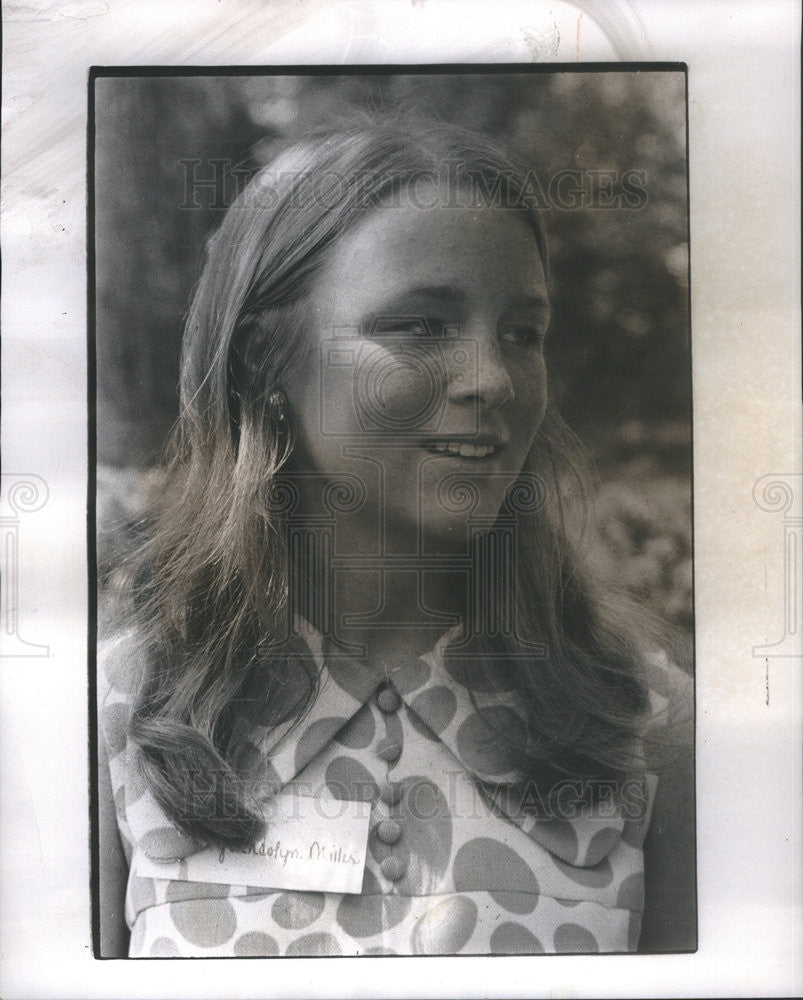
[397,392]
[306,415]
[531,395]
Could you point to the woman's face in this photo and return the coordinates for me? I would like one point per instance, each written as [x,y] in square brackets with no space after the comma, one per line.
[427,369]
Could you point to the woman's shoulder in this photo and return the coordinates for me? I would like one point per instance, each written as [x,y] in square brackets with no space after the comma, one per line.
[121,659]
[120,666]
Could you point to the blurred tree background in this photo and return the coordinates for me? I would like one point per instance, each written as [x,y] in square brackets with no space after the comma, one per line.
[619,346]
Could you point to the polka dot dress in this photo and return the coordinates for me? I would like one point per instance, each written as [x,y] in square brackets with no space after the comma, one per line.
[458,860]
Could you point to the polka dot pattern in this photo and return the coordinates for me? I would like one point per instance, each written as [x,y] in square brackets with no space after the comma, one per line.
[631,892]
[477,873]
[351,676]
[164,947]
[393,867]
[314,944]
[388,749]
[393,730]
[445,928]
[142,893]
[437,705]
[601,844]
[560,838]
[514,939]
[359,916]
[120,660]
[114,720]
[293,910]
[421,727]
[166,843]
[347,778]
[574,938]
[139,934]
[135,786]
[390,792]
[426,841]
[255,944]
[485,861]
[178,892]
[514,902]
[207,926]
[319,732]
[358,733]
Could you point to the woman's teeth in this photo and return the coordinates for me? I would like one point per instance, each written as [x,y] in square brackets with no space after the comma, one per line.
[461,448]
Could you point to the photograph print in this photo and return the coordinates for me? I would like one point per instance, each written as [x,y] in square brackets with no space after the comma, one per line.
[392,505]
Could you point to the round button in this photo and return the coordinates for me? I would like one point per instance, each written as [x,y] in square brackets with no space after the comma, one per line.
[388,700]
[388,831]
[393,867]
[388,749]
[390,793]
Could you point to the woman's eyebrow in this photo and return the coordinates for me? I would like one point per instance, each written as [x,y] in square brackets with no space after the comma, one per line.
[449,293]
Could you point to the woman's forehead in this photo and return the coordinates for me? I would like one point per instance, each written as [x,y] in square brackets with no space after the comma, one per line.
[431,243]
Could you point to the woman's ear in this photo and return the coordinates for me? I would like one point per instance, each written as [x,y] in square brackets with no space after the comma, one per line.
[243,367]
[268,346]
[248,349]
[279,405]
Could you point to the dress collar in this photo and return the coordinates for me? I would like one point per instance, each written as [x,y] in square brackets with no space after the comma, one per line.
[439,700]
[466,725]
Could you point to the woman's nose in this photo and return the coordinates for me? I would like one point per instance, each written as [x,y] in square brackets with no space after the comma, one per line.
[479,374]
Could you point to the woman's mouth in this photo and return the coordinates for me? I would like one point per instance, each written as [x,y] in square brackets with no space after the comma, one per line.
[462,449]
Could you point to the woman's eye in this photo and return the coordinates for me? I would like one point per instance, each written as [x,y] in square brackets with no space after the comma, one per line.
[402,326]
[523,336]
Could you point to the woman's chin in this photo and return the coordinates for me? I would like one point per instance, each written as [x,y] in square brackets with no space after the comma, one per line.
[444,532]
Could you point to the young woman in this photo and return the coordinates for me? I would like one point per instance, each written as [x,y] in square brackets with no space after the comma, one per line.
[356,587]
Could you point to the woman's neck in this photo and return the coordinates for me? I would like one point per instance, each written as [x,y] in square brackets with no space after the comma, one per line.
[383,613]
[373,586]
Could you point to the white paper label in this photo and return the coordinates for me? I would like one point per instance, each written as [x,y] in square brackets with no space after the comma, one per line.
[311,843]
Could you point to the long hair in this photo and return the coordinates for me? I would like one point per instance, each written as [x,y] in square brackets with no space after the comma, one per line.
[211,582]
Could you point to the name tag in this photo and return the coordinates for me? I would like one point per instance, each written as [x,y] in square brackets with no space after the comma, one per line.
[311,843]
